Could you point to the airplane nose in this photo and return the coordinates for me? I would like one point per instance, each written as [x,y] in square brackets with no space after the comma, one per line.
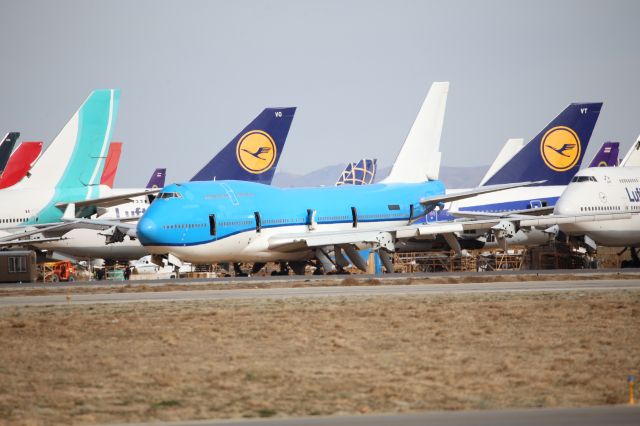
[564,206]
[148,231]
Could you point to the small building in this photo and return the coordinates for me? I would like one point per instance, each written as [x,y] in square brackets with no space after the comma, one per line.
[18,266]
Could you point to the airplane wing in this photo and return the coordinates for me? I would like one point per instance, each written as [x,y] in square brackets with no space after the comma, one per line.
[29,241]
[30,230]
[313,239]
[445,198]
[536,211]
[386,236]
[110,201]
[428,230]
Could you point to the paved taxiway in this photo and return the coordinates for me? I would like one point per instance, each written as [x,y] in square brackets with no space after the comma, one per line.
[345,291]
[319,279]
[610,415]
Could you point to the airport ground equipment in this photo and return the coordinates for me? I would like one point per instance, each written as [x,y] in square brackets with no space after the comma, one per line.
[58,271]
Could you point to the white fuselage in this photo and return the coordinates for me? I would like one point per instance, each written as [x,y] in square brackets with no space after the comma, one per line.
[26,206]
[604,190]
[252,246]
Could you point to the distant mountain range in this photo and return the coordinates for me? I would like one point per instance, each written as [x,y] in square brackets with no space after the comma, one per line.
[453,177]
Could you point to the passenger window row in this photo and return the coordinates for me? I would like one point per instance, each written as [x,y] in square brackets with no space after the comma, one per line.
[14,220]
[600,208]
[184,226]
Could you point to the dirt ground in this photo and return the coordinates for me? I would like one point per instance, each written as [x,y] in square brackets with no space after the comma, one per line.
[262,358]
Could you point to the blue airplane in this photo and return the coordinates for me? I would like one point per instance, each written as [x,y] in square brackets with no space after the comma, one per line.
[234,221]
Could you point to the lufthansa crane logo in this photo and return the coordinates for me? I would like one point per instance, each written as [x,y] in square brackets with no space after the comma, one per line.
[256,151]
[560,148]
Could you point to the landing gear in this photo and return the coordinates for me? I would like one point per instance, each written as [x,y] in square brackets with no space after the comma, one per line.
[238,270]
[284,270]
[634,262]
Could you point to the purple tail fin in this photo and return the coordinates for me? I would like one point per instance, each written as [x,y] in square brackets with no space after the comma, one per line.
[157,179]
[607,156]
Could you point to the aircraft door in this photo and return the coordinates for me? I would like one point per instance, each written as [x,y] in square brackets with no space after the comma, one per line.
[311,219]
[212,225]
[258,221]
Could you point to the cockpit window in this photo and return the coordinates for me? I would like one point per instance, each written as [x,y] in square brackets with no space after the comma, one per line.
[583,179]
[169,195]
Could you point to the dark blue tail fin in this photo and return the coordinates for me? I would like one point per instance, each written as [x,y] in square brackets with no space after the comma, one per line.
[6,147]
[555,155]
[254,153]
[607,156]
[361,173]
[157,179]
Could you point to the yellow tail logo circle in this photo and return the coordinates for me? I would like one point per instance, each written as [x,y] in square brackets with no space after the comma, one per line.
[256,151]
[560,148]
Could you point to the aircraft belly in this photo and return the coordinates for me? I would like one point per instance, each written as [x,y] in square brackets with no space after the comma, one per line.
[254,247]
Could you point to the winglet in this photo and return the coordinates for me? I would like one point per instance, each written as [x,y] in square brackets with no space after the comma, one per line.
[419,157]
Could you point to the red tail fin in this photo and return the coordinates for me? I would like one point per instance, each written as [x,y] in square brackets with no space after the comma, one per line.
[20,163]
[111,165]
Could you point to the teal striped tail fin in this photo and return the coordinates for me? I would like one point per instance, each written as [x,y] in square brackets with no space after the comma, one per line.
[76,157]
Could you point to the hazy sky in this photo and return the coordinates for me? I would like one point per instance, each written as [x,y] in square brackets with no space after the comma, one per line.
[194,73]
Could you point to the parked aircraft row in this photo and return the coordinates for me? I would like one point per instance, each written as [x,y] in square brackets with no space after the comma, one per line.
[228,212]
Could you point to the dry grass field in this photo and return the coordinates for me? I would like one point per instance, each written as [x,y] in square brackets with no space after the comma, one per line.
[260,358]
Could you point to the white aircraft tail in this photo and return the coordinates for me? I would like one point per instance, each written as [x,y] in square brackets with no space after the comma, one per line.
[76,156]
[419,157]
[632,159]
[510,148]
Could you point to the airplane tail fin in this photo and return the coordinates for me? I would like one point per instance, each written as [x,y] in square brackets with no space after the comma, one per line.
[20,163]
[76,157]
[419,157]
[632,158]
[361,173]
[111,164]
[556,153]
[157,179]
[607,156]
[6,147]
[254,153]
